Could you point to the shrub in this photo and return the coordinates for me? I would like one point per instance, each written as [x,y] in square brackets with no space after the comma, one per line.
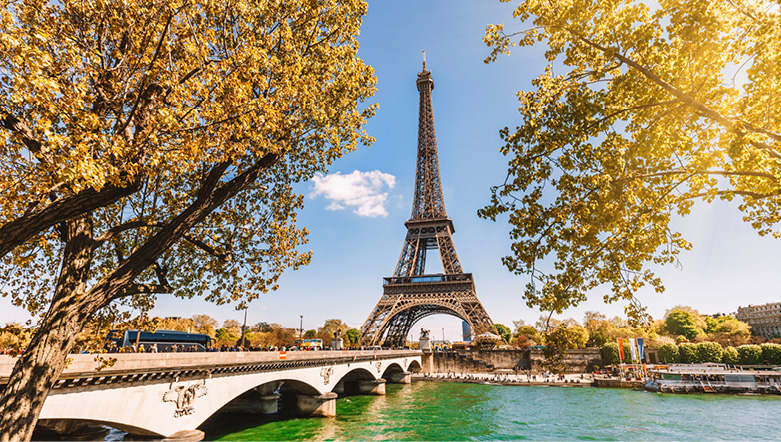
[749,354]
[610,353]
[689,353]
[771,353]
[730,356]
[668,354]
[709,352]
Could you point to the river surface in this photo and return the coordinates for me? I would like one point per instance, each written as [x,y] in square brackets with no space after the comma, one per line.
[449,411]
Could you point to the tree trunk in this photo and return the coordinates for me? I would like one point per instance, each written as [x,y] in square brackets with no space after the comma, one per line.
[42,363]
[38,368]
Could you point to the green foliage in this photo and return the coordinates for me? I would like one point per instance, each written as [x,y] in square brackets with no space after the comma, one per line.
[353,335]
[679,322]
[668,354]
[225,336]
[689,353]
[598,328]
[709,352]
[771,353]
[526,335]
[329,328]
[310,334]
[557,341]
[749,354]
[730,356]
[610,354]
[640,118]
[503,331]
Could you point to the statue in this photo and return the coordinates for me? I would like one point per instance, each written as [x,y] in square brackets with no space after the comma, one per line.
[424,333]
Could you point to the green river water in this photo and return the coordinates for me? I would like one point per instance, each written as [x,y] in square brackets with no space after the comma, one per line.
[450,411]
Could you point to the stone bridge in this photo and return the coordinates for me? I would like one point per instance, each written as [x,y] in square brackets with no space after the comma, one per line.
[170,394]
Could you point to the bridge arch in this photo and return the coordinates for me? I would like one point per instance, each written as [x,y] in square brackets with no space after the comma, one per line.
[391,370]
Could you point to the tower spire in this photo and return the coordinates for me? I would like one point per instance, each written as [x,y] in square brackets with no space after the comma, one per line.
[428,200]
[424,59]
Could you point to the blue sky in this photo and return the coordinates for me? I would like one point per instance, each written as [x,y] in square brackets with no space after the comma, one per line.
[357,234]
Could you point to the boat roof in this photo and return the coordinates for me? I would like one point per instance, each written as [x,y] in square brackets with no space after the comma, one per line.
[700,370]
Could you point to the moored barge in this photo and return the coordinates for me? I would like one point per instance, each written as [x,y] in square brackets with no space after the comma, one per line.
[713,378]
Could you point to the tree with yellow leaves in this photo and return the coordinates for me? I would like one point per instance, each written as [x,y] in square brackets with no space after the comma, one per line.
[151,147]
[644,110]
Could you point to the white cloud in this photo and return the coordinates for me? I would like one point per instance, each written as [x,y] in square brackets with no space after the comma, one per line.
[361,190]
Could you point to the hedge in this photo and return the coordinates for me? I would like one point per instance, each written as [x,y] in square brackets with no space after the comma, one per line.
[750,354]
[730,356]
[689,354]
[709,351]
[668,354]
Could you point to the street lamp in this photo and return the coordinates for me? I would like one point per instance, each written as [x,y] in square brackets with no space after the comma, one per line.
[443,338]
[301,330]
[244,328]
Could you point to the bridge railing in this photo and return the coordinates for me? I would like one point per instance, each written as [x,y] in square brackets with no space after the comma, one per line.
[125,362]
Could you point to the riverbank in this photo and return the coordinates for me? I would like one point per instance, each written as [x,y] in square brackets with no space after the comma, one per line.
[570,380]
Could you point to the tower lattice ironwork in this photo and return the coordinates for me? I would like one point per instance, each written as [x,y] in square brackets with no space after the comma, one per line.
[411,294]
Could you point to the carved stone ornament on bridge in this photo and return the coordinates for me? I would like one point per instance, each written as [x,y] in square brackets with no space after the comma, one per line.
[378,365]
[326,373]
[184,396]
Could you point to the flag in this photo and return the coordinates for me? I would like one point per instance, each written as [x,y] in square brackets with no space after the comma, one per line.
[632,349]
[620,350]
[640,348]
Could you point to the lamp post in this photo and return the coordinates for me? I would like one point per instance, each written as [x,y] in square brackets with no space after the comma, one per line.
[301,330]
[244,328]
[443,338]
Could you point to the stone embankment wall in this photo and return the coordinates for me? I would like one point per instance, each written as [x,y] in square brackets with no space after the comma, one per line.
[484,361]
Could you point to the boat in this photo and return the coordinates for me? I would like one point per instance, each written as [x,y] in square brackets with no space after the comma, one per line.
[712,378]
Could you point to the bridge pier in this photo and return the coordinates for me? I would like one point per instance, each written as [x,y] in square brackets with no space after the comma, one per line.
[400,377]
[323,405]
[371,386]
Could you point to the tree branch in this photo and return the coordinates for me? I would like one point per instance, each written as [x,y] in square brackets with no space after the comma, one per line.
[754,195]
[224,257]
[18,231]
[18,127]
[737,127]
[209,198]
[699,172]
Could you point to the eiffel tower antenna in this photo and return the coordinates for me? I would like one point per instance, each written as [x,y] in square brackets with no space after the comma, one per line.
[411,294]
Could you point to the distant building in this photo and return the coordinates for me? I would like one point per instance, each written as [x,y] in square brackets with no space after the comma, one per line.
[466,331]
[765,319]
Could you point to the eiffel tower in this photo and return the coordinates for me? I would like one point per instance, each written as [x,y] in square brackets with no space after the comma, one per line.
[411,294]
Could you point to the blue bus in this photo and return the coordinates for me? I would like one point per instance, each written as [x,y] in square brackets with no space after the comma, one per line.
[165,340]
